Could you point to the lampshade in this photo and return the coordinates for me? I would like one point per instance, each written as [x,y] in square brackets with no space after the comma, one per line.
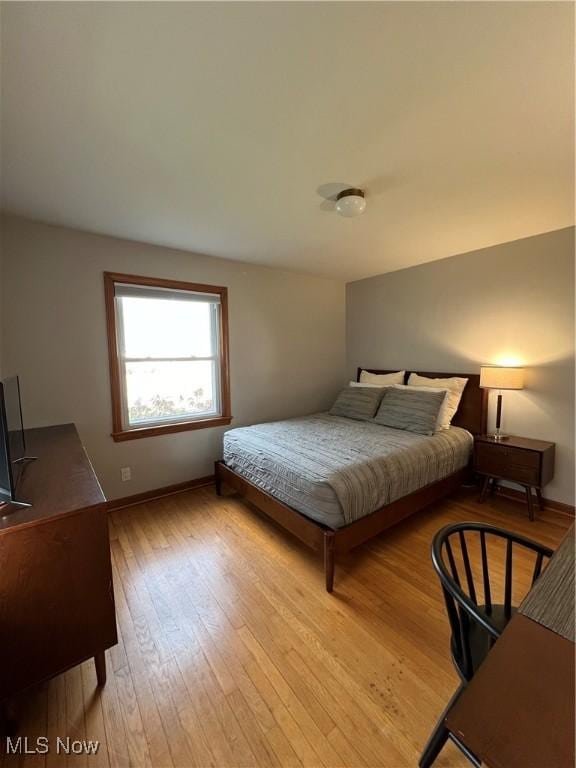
[496,377]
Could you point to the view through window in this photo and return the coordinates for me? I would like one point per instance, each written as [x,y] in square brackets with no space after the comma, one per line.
[170,357]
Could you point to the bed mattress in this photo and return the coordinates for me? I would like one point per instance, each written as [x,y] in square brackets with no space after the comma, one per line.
[336,470]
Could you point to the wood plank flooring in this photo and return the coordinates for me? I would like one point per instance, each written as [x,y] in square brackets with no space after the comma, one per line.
[232,654]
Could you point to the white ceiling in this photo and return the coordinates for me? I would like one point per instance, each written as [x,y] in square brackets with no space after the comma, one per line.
[217,127]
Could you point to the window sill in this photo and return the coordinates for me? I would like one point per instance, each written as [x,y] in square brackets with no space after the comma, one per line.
[167,429]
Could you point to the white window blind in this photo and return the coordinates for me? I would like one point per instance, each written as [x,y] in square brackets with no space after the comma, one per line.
[126,290]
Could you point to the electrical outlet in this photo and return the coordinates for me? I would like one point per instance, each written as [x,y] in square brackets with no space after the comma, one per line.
[126,474]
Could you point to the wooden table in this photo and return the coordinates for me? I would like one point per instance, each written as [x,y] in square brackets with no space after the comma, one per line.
[518,710]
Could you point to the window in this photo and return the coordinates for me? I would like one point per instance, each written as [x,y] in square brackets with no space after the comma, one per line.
[168,347]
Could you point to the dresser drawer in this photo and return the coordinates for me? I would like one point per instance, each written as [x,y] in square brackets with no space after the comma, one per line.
[508,463]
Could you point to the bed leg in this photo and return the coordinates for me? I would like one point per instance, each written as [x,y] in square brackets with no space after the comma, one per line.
[217,479]
[329,560]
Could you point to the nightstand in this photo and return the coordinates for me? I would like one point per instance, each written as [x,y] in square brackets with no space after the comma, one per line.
[529,463]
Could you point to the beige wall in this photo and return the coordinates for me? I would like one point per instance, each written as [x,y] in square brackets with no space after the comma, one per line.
[287,338]
[287,334]
[514,301]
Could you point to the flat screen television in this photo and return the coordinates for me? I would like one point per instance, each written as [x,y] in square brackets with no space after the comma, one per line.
[12,440]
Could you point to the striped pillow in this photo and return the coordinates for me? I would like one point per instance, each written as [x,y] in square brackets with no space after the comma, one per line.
[455,386]
[410,410]
[357,402]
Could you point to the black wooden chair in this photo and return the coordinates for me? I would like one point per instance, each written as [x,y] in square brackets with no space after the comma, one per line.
[476,620]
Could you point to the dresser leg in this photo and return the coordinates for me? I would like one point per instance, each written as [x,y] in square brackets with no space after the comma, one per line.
[485,486]
[100,663]
[530,501]
[539,497]
[8,719]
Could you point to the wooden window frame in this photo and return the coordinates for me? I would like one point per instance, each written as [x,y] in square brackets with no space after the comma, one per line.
[119,431]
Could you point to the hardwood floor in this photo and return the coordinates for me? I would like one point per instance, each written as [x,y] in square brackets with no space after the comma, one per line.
[232,654]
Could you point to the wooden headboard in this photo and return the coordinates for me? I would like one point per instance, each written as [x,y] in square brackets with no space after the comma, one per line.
[472,413]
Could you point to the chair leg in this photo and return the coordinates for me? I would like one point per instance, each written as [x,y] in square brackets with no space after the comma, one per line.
[435,743]
[329,560]
[440,735]
[465,751]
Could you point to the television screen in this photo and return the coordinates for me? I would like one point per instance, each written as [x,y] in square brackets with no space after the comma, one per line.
[6,480]
[14,418]
[12,440]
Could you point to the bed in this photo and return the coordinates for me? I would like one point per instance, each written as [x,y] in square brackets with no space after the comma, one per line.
[335,483]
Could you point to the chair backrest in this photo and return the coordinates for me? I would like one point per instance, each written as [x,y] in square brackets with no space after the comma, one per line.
[469,586]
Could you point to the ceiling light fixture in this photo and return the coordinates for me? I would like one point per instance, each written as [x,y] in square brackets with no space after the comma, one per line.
[350,202]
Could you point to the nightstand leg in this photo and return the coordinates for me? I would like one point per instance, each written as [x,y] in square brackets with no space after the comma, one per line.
[530,503]
[539,497]
[484,489]
[494,486]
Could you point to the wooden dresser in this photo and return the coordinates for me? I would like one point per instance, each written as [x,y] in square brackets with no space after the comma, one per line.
[56,597]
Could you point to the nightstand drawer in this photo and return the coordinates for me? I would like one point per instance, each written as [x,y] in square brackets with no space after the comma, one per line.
[498,463]
[502,454]
[515,472]
[520,474]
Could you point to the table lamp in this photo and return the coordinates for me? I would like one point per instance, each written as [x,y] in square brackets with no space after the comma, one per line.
[499,377]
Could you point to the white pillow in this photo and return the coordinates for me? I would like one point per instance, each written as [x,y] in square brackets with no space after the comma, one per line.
[455,387]
[370,386]
[382,378]
[415,386]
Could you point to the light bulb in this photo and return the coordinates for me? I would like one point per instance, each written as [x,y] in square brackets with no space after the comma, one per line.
[351,202]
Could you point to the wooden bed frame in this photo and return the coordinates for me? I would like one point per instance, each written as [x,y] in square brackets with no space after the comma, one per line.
[471,415]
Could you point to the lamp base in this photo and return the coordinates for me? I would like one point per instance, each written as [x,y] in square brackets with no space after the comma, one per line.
[498,437]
